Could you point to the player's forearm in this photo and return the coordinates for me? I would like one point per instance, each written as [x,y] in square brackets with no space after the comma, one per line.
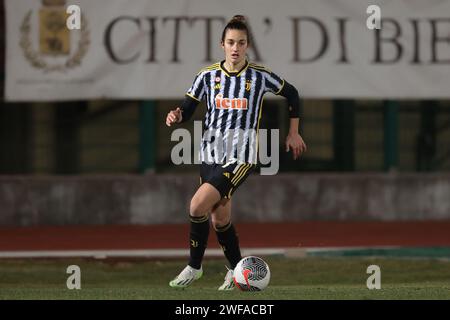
[187,108]
[293,125]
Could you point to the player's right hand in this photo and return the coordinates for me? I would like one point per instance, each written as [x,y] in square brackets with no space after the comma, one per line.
[173,116]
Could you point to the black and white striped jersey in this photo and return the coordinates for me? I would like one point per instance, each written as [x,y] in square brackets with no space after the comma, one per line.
[234,106]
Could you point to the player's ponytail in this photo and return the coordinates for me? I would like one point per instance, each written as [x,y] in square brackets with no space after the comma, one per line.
[238,22]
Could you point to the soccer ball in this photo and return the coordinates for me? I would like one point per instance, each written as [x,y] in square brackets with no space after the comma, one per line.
[251,274]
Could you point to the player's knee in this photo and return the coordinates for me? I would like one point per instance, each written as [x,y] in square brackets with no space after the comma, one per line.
[197,208]
[219,222]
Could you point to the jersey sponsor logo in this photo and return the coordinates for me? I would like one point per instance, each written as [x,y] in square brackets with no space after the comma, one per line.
[227,103]
[217,86]
[217,79]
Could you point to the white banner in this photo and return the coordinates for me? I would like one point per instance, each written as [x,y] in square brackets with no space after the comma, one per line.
[152,49]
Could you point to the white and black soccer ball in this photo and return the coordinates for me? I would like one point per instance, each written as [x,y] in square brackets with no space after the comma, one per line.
[251,274]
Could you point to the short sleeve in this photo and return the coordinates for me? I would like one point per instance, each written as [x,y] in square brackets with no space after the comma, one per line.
[273,82]
[197,90]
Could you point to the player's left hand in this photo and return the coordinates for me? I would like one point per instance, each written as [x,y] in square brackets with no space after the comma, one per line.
[295,142]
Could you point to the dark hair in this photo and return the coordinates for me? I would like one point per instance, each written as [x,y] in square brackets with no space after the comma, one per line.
[238,22]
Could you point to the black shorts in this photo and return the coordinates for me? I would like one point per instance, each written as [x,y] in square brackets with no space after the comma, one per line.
[225,178]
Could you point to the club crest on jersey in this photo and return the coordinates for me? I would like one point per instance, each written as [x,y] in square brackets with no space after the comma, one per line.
[217,79]
[227,103]
[248,85]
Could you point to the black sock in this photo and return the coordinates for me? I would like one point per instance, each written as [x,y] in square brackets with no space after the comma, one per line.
[198,239]
[229,242]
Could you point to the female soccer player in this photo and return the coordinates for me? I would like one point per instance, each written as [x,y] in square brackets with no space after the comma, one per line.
[233,89]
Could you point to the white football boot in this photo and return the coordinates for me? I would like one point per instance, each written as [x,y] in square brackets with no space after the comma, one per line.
[186,277]
[228,284]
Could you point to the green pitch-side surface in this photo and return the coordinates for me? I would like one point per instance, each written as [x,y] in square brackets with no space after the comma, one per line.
[306,278]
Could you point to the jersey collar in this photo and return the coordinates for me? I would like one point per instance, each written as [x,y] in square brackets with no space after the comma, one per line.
[233,74]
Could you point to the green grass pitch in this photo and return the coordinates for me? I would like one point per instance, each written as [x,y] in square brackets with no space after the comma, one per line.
[292,279]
